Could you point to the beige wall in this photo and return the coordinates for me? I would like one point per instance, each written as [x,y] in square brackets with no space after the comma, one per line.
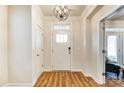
[37,24]
[19,44]
[3,46]
[76,42]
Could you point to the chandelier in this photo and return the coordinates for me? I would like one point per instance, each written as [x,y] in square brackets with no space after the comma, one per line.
[61,12]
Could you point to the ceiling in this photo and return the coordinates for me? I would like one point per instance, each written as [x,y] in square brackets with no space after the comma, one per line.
[118,16]
[76,9]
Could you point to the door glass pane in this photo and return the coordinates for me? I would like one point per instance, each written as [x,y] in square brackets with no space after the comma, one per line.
[61,38]
[112,48]
[65,38]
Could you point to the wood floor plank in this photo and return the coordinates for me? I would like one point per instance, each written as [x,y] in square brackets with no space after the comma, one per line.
[63,79]
[55,80]
[77,79]
[67,80]
[72,79]
[84,80]
[80,80]
[43,82]
[50,80]
[58,79]
[60,75]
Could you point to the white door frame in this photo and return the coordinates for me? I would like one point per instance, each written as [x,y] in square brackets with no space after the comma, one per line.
[103,47]
[71,43]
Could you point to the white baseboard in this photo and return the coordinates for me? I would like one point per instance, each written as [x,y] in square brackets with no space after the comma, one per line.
[19,84]
[82,71]
[76,70]
[47,70]
[86,73]
[5,85]
[35,80]
[98,80]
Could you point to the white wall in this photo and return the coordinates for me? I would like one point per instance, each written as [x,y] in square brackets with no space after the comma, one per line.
[3,46]
[76,43]
[86,40]
[37,26]
[19,44]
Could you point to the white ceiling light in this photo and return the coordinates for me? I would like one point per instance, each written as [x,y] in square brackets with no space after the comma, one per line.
[61,12]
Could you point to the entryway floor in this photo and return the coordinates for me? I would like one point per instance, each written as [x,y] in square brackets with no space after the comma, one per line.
[71,79]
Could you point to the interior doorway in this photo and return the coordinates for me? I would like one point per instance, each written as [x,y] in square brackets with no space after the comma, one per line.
[113,45]
[61,47]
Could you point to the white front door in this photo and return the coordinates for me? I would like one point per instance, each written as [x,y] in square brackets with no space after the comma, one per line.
[61,48]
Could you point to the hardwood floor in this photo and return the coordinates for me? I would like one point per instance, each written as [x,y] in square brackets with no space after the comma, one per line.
[71,79]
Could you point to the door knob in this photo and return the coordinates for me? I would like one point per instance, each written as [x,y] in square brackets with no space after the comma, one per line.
[69,50]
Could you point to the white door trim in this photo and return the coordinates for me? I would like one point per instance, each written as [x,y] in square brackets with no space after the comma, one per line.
[71,43]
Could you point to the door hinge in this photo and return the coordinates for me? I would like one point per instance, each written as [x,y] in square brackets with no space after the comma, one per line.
[103,51]
[104,74]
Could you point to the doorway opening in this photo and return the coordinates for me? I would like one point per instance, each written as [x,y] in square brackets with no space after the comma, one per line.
[113,45]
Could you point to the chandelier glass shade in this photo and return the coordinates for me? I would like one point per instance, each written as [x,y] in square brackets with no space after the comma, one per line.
[61,12]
